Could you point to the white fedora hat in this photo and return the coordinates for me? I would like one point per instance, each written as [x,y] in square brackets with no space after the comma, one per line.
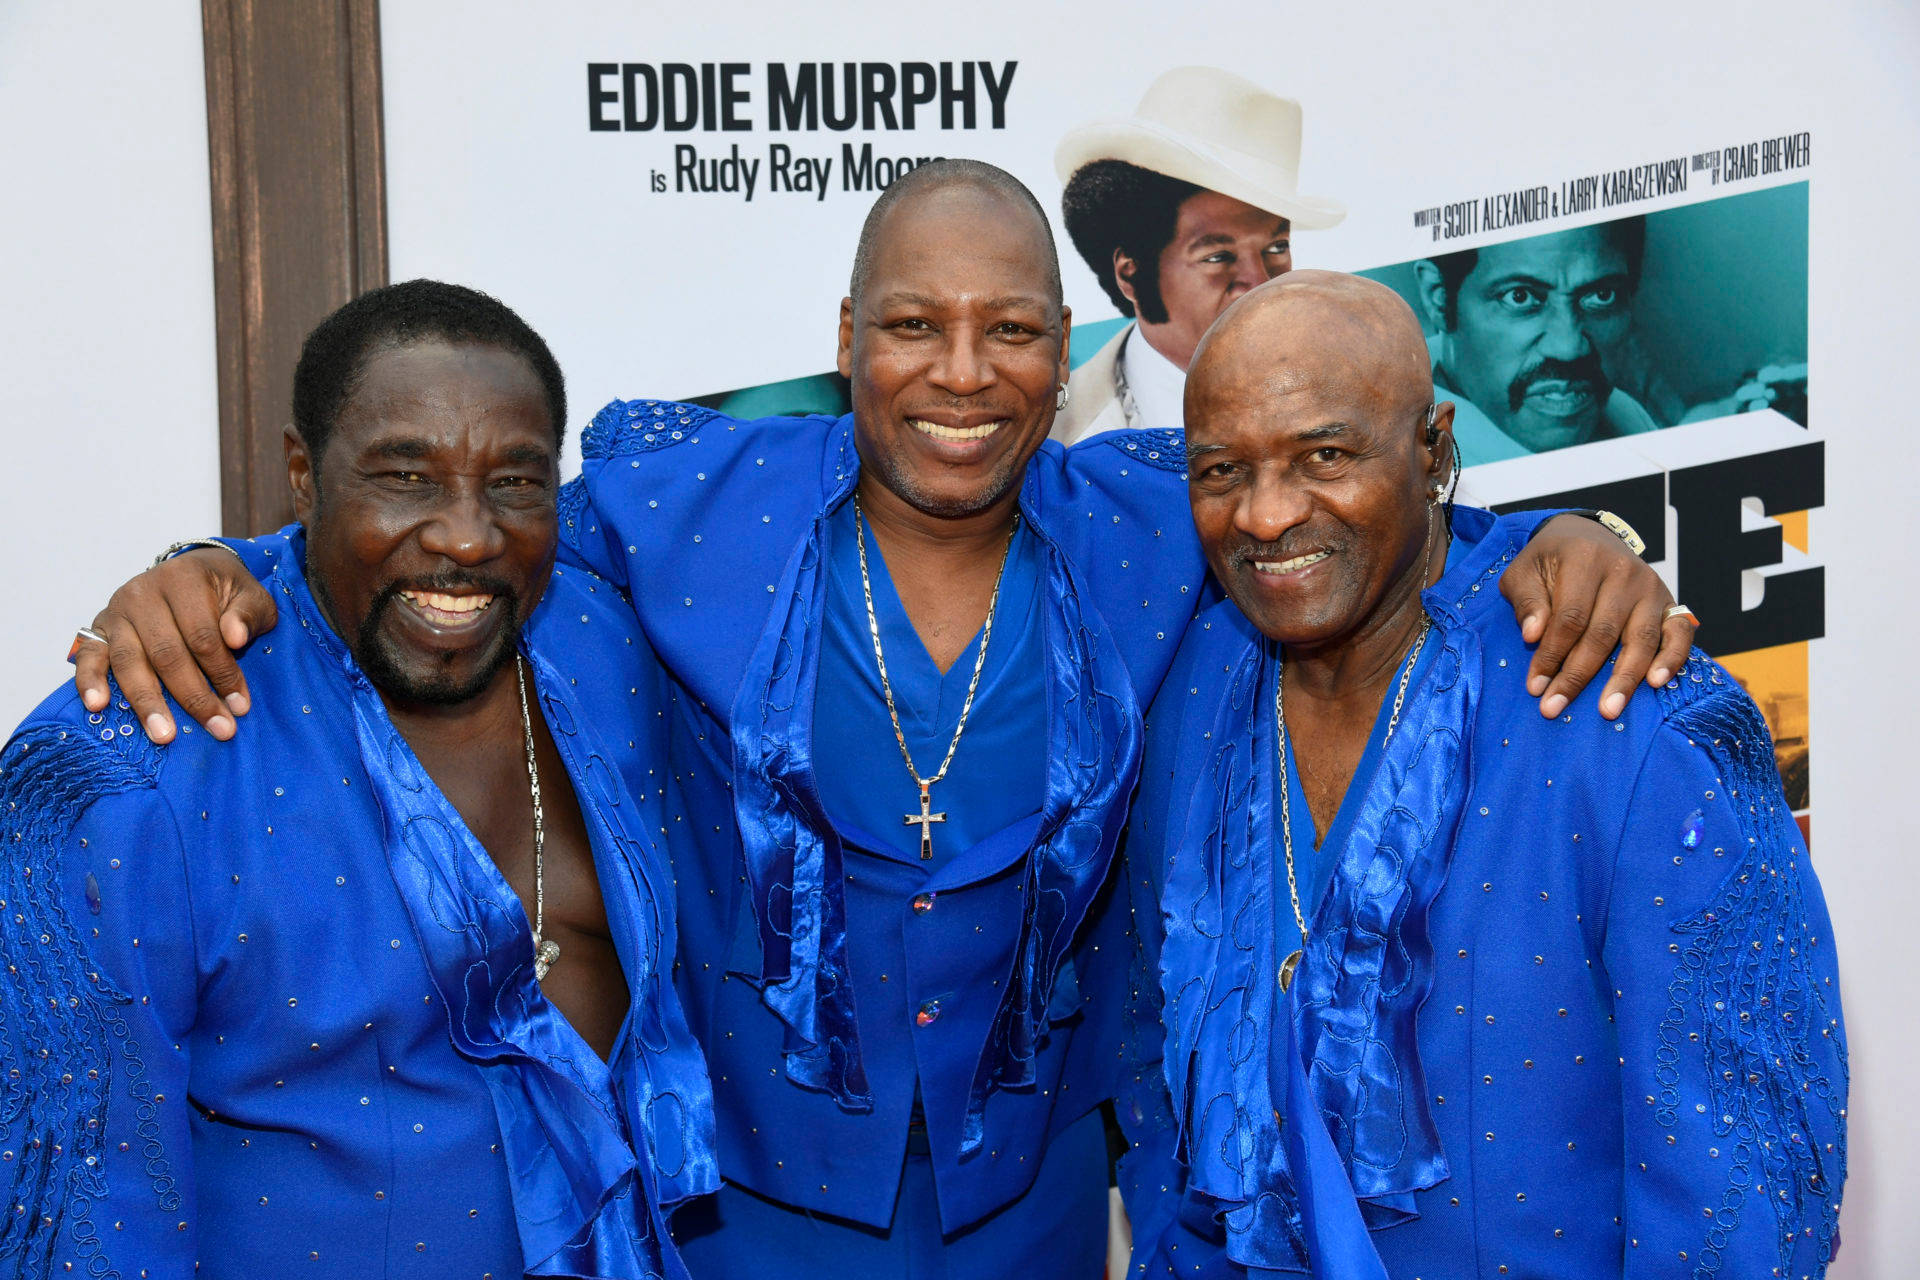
[1216,130]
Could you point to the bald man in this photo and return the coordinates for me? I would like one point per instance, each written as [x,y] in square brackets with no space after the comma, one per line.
[907,654]
[1549,997]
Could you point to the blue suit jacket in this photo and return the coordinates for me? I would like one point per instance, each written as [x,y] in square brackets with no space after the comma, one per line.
[715,527]
[1569,1006]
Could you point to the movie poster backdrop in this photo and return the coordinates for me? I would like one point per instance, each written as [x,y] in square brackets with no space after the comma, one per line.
[673,199]
[1694,321]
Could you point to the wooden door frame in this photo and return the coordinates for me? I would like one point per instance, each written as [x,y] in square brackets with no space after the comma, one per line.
[297,164]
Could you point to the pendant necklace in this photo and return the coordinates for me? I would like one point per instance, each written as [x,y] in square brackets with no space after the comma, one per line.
[927,817]
[1292,962]
[545,951]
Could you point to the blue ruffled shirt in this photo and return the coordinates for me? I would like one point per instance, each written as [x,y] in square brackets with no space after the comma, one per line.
[1314,852]
[275,1012]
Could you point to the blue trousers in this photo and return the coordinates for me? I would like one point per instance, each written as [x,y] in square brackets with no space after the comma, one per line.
[1057,1229]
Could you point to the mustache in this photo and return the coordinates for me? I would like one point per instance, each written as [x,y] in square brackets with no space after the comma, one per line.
[1248,552]
[998,409]
[1586,368]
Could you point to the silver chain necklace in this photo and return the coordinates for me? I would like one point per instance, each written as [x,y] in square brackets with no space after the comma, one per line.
[1292,962]
[927,817]
[545,951]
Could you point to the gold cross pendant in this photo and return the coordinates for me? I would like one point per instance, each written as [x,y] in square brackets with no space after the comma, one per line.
[925,820]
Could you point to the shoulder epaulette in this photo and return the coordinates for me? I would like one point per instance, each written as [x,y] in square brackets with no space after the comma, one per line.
[110,741]
[1698,678]
[627,427]
[1156,446]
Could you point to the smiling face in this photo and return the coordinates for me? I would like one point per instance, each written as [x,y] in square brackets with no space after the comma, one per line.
[1536,322]
[1221,248]
[430,515]
[1309,470]
[955,348]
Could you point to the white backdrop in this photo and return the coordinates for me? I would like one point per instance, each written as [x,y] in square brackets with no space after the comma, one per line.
[496,179]
[109,395]
[107,331]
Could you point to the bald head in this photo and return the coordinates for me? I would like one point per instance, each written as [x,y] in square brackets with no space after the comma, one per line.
[954,339]
[1325,327]
[1009,205]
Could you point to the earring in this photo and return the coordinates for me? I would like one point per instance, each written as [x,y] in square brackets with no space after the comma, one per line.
[1061,397]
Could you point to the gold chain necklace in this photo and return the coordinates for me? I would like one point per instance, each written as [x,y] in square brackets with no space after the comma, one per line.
[1292,961]
[927,817]
[545,951]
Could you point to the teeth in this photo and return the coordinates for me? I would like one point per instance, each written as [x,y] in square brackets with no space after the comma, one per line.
[1288,566]
[440,602]
[939,432]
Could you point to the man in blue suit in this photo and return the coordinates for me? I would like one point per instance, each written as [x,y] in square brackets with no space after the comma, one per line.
[384,987]
[908,652]
[1544,996]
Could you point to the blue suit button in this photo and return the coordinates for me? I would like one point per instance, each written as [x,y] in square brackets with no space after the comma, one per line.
[922,903]
[928,1015]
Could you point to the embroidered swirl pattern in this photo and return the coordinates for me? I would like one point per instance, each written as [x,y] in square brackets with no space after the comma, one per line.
[62,1032]
[1746,1003]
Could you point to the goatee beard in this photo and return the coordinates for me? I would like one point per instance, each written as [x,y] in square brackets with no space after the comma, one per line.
[382,665]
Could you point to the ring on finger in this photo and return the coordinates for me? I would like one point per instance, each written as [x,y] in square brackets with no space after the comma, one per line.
[1675,610]
[88,633]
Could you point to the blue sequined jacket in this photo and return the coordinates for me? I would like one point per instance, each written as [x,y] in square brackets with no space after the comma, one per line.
[716,528]
[269,1007]
[1570,1004]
